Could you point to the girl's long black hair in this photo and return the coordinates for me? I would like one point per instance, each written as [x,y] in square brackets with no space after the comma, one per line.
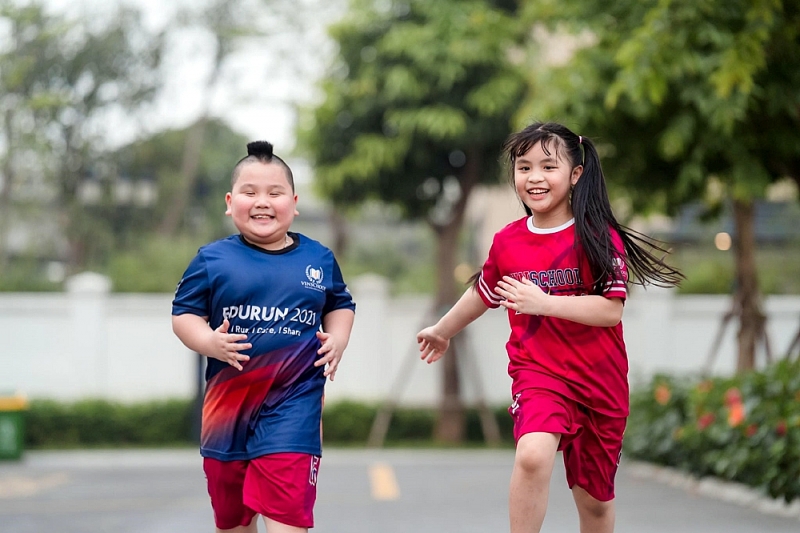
[592,210]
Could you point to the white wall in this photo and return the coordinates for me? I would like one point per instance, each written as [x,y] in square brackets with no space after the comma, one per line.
[89,343]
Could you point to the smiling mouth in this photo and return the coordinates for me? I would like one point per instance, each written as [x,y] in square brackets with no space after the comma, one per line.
[262,217]
[538,191]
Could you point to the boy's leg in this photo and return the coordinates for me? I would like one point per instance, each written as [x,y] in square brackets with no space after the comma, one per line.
[225,487]
[595,516]
[530,481]
[282,487]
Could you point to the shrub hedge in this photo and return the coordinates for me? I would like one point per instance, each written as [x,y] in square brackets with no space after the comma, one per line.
[50,424]
[744,428]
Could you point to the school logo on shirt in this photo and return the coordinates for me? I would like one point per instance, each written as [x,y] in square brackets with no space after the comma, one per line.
[314,276]
[313,471]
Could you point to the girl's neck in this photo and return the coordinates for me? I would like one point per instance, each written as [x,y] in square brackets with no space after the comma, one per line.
[551,220]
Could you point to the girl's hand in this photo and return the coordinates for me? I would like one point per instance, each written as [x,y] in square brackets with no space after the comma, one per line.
[432,346]
[522,296]
[226,346]
[331,354]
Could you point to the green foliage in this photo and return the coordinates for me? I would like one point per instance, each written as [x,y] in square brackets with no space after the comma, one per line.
[51,424]
[408,270]
[26,275]
[156,266]
[744,429]
[414,83]
[678,92]
[57,425]
[61,79]
[710,271]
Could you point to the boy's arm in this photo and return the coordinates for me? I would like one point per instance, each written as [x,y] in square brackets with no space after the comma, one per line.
[195,333]
[592,310]
[435,340]
[335,335]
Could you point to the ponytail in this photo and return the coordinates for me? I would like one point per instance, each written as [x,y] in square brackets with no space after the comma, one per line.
[592,211]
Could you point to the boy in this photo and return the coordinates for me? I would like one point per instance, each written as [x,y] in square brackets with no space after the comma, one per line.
[253,304]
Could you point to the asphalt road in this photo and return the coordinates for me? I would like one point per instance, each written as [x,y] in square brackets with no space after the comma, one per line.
[359,491]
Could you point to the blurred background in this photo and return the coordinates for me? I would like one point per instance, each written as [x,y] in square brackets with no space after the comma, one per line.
[121,121]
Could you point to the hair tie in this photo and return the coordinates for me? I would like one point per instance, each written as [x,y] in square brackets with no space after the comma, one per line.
[580,139]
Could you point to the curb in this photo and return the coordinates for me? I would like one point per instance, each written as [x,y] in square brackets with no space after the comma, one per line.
[715,488]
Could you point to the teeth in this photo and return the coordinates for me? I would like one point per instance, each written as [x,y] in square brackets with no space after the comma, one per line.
[537,191]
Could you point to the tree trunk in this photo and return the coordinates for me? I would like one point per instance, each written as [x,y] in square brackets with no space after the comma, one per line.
[451,422]
[339,230]
[5,191]
[192,150]
[752,319]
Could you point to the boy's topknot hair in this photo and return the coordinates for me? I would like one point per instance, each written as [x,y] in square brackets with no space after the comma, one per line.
[260,149]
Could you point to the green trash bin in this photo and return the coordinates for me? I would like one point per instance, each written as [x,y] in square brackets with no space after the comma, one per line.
[12,426]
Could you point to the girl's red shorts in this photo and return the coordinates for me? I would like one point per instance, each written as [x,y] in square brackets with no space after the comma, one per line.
[280,486]
[591,442]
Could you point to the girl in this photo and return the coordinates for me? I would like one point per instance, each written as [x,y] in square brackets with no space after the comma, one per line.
[562,274]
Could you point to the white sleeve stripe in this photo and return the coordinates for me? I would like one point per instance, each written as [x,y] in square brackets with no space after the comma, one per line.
[491,296]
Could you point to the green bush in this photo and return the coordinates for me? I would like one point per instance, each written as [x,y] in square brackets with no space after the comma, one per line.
[155,266]
[51,424]
[744,429]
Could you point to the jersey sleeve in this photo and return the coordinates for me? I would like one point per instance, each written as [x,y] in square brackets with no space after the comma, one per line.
[488,279]
[617,284]
[193,292]
[338,297]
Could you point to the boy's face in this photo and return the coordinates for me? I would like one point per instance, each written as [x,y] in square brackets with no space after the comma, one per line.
[262,205]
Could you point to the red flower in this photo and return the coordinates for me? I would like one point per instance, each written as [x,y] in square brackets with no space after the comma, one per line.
[736,415]
[662,394]
[780,428]
[751,430]
[705,420]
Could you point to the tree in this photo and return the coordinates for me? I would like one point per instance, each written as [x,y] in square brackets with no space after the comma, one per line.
[61,80]
[237,31]
[684,93]
[415,110]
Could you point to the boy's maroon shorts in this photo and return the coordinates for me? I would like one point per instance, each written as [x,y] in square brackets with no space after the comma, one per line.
[280,486]
[591,442]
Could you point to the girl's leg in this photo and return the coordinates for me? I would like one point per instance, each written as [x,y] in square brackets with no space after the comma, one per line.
[530,481]
[252,527]
[595,516]
[277,527]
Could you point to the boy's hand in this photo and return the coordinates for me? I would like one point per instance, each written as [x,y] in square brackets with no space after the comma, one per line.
[432,346]
[330,352]
[522,296]
[226,346]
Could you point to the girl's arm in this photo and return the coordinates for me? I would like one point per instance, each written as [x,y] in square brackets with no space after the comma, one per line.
[195,333]
[592,310]
[335,336]
[434,340]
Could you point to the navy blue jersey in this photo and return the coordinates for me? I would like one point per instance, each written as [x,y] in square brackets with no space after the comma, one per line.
[278,299]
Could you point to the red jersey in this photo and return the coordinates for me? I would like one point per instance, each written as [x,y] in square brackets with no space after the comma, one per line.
[587,364]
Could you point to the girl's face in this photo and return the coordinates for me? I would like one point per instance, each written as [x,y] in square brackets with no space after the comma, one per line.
[543,183]
[262,205]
